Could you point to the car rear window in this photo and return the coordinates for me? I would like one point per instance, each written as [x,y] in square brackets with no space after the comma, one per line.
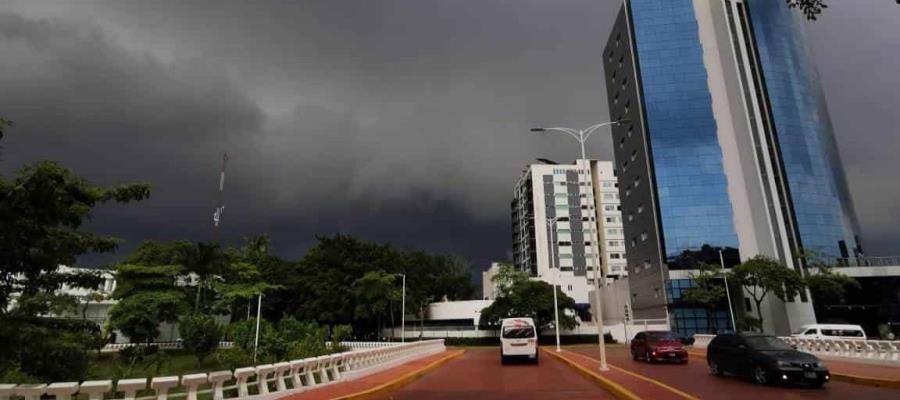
[661,337]
[518,332]
[767,343]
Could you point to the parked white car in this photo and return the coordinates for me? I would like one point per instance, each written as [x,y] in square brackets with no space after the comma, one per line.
[830,331]
[518,339]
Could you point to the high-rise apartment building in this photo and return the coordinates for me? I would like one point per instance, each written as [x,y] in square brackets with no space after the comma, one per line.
[729,147]
[555,225]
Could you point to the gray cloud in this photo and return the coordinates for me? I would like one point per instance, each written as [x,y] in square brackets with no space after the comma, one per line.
[403,121]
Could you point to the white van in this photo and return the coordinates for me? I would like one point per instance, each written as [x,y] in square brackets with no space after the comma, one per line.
[830,331]
[518,339]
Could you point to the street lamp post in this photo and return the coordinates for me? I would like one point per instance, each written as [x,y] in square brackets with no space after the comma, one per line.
[403,311]
[551,223]
[727,291]
[582,136]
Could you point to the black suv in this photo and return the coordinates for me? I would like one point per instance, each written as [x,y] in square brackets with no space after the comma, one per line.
[765,359]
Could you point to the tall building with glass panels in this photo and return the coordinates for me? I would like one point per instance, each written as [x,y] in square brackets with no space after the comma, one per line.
[728,147]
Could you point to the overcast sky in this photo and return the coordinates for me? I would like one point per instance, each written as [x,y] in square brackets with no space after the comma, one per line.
[398,121]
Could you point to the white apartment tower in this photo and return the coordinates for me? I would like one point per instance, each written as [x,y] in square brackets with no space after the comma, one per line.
[556,226]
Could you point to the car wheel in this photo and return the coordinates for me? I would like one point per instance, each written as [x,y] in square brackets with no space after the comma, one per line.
[684,361]
[760,376]
[537,357]
[634,356]
[648,358]
[503,360]
[817,384]
[715,369]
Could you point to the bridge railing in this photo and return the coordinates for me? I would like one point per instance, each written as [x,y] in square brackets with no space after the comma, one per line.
[872,350]
[269,381]
[175,345]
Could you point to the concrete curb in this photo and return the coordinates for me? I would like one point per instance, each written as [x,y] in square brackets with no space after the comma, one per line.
[618,391]
[401,381]
[846,378]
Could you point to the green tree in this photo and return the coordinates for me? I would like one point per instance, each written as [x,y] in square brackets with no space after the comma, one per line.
[828,286]
[200,335]
[202,261]
[530,299]
[707,291]
[760,276]
[508,277]
[148,296]
[42,211]
[811,9]
[374,293]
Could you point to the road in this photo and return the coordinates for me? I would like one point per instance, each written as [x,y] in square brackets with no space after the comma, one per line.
[479,375]
[695,379]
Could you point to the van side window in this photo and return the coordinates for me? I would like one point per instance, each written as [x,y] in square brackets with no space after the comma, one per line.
[810,332]
[831,332]
[852,333]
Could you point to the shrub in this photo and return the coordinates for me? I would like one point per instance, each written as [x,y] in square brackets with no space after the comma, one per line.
[200,335]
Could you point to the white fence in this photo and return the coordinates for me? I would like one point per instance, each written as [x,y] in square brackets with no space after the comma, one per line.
[865,350]
[279,379]
[161,345]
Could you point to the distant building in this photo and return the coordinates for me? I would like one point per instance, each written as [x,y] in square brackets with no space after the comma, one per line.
[729,147]
[548,192]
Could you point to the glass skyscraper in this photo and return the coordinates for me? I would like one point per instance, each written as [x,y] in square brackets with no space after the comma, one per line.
[728,147]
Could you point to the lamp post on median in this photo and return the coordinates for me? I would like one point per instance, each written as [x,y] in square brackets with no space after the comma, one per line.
[582,136]
[403,311]
[551,224]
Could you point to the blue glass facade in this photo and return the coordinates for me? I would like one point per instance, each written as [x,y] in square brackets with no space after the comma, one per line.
[694,207]
[821,203]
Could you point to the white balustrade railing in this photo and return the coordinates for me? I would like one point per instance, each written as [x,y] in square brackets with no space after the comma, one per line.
[270,381]
[161,345]
[876,350]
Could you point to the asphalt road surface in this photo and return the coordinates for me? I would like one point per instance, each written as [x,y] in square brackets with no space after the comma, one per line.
[478,374]
[694,378]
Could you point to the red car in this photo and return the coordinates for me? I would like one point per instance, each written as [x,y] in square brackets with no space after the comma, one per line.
[662,346]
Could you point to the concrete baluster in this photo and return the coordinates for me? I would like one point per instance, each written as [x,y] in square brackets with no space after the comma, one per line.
[191,382]
[336,366]
[242,374]
[7,390]
[162,385]
[31,391]
[131,386]
[323,368]
[262,377]
[280,369]
[95,389]
[308,367]
[62,390]
[296,369]
[217,380]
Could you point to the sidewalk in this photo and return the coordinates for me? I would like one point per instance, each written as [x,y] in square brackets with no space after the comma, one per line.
[367,385]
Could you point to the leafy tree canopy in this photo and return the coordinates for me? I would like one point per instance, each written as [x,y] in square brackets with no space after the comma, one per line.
[530,299]
[761,275]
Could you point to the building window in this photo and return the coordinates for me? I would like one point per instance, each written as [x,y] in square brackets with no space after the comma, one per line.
[637,181]
[640,208]
[644,236]
[615,256]
[633,155]
[633,242]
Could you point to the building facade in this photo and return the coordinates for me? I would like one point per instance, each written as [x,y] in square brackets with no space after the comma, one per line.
[729,147]
[557,230]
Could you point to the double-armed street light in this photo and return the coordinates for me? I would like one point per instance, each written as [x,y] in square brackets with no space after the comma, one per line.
[582,136]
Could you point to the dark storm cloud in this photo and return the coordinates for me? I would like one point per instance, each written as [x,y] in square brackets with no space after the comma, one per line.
[401,121]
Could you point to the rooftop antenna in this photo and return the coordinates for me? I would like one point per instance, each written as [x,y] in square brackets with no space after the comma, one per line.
[217,214]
